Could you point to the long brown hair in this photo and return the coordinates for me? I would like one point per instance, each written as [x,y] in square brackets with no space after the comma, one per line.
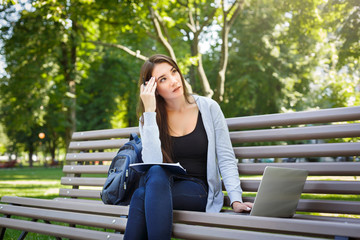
[161,113]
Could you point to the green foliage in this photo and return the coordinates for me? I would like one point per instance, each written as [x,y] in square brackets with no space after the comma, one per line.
[343,18]
[110,78]
[283,56]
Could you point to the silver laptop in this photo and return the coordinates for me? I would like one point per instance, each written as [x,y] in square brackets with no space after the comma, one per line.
[279,192]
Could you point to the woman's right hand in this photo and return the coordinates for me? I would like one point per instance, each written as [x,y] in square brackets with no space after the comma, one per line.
[147,95]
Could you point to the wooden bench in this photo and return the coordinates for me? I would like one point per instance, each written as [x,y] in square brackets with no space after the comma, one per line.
[79,214]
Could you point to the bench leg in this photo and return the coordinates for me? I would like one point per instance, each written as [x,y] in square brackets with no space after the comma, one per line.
[3,229]
[23,234]
[2,234]
[57,238]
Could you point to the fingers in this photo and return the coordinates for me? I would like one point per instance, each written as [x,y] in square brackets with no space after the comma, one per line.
[150,86]
[242,207]
[147,95]
[249,204]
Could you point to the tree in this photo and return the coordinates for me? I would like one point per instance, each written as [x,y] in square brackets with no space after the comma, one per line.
[20,110]
[51,31]
[343,21]
[110,80]
[275,49]
[336,79]
[165,23]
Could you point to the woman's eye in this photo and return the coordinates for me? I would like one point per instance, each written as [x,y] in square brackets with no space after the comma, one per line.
[174,71]
[163,79]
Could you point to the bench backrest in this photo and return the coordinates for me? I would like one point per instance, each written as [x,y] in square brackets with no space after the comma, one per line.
[296,140]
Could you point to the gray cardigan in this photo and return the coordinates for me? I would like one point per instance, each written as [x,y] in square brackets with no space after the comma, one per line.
[221,161]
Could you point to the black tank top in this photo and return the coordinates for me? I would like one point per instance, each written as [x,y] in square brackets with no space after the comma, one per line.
[190,151]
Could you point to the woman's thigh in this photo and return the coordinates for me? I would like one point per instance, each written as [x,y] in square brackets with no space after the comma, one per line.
[189,195]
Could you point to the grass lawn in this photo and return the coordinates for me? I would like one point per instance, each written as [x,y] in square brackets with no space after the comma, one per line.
[37,182]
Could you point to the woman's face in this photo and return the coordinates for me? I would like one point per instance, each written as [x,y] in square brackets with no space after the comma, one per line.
[168,79]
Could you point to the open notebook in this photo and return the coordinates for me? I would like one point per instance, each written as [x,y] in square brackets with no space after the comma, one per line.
[175,168]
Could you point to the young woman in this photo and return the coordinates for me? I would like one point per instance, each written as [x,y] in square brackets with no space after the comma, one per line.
[178,127]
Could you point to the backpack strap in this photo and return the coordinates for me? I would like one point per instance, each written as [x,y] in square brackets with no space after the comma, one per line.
[134,136]
[137,146]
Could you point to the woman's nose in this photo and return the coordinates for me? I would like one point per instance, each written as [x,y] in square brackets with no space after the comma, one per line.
[173,80]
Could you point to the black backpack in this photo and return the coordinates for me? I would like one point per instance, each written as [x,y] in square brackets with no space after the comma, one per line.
[122,181]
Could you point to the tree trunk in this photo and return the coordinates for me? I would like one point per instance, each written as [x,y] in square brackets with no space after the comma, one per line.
[71,112]
[31,153]
[52,148]
[220,81]
[30,159]
[192,73]
[69,68]
[208,92]
[157,25]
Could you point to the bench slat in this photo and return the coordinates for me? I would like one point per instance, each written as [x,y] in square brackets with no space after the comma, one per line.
[179,231]
[299,133]
[282,134]
[72,205]
[104,134]
[329,206]
[324,187]
[305,205]
[315,168]
[115,223]
[304,150]
[57,230]
[185,231]
[96,156]
[266,223]
[82,181]
[296,216]
[295,118]
[325,218]
[279,119]
[90,169]
[318,206]
[81,193]
[99,144]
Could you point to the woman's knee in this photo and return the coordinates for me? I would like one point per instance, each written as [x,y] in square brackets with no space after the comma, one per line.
[156,171]
[138,195]
[157,175]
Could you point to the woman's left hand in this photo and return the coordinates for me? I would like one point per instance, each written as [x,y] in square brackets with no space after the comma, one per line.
[242,207]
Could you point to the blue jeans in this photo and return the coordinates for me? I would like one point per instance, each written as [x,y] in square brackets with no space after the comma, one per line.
[152,204]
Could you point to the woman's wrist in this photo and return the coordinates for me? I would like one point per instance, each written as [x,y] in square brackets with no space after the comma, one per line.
[234,203]
[240,206]
[150,109]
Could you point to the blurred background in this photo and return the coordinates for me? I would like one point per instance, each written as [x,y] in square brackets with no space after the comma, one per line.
[70,66]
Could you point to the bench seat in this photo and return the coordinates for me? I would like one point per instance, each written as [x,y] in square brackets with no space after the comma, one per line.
[329,207]
[97,214]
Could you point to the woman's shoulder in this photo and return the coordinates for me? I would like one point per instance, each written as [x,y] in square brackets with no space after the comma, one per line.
[204,100]
[207,105]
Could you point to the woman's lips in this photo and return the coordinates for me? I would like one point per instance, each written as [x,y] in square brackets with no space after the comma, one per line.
[177,88]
